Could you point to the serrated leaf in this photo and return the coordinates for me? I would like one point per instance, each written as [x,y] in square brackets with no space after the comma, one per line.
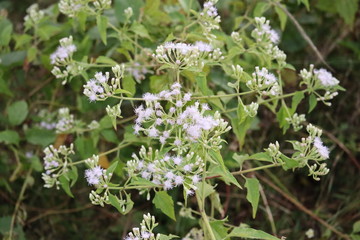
[115,202]
[253,194]
[251,233]
[17,112]
[101,22]
[165,203]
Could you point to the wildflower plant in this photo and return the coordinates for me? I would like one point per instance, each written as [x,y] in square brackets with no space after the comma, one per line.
[179,121]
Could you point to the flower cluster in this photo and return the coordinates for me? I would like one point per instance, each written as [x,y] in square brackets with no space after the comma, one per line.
[182,124]
[96,175]
[184,56]
[267,39]
[295,120]
[99,87]
[34,16]
[209,19]
[72,8]
[263,31]
[264,82]
[64,52]
[167,171]
[312,148]
[55,164]
[145,232]
[62,57]
[321,79]
[65,121]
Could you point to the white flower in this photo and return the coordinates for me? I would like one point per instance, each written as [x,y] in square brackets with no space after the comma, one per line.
[321,149]
[177,160]
[93,175]
[178,180]
[195,179]
[325,77]
[149,97]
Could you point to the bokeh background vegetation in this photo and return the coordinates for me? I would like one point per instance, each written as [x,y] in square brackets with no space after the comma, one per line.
[297,202]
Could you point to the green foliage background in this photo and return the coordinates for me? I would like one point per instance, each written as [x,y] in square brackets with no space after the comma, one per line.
[27,85]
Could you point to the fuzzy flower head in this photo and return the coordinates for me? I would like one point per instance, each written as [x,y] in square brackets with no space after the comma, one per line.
[167,171]
[192,121]
[64,52]
[184,56]
[209,19]
[65,121]
[264,82]
[325,77]
[101,86]
[263,31]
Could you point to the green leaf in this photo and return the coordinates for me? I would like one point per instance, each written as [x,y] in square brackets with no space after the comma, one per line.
[65,184]
[306,3]
[110,135]
[140,30]
[85,147]
[5,223]
[123,209]
[112,167]
[9,137]
[205,188]
[261,156]
[312,102]
[31,54]
[4,88]
[356,227]
[118,91]
[101,22]
[39,136]
[296,99]
[282,16]
[260,8]
[129,85]
[347,10]
[289,162]
[224,171]
[106,60]
[203,86]
[6,29]
[253,195]
[218,228]
[188,5]
[17,112]
[251,233]
[167,237]
[164,202]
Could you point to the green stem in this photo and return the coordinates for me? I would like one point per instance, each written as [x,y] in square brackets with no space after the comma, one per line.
[103,154]
[20,198]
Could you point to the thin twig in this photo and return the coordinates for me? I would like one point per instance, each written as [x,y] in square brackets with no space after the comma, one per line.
[302,33]
[303,208]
